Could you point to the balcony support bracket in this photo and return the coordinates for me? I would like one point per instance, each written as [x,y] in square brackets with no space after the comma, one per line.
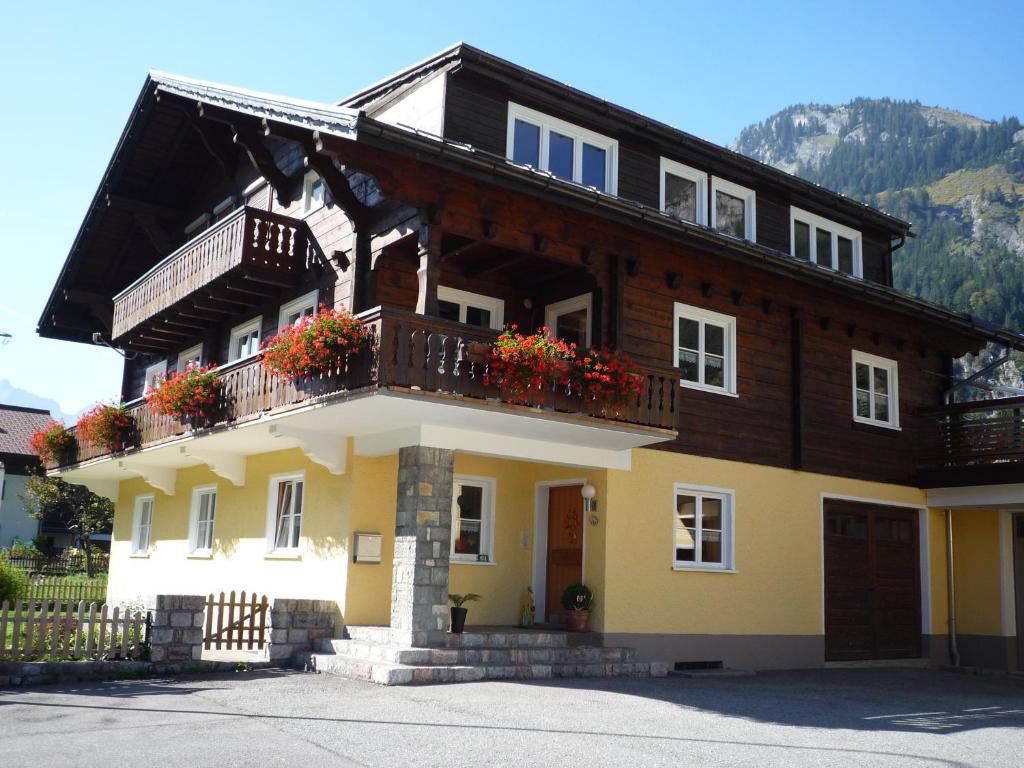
[230,466]
[327,450]
[161,478]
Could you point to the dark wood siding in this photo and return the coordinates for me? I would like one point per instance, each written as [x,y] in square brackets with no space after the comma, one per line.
[638,176]
[772,223]
[475,116]
[876,263]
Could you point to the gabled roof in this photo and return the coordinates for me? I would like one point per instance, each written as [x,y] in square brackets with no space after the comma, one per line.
[463,54]
[17,424]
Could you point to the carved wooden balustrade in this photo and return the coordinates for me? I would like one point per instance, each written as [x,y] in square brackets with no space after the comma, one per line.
[408,352]
[249,239]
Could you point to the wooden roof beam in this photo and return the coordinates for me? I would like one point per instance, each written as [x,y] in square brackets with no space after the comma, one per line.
[493,265]
[261,158]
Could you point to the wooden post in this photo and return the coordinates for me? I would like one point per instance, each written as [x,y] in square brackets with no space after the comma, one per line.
[429,272]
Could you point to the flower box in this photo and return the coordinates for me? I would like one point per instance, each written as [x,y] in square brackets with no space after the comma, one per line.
[51,443]
[192,396]
[106,426]
[316,345]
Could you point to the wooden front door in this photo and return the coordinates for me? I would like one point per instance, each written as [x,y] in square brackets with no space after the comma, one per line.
[872,582]
[1018,584]
[565,545]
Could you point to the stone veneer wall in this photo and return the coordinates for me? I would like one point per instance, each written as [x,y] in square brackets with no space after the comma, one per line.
[423,532]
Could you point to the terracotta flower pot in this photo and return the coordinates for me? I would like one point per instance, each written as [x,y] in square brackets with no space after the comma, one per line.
[576,621]
[477,351]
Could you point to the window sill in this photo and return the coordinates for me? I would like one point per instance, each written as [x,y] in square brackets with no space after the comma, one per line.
[454,561]
[702,569]
[877,424]
[282,556]
[200,555]
[704,388]
[139,555]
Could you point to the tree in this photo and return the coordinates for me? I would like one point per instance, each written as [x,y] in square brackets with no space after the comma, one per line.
[75,506]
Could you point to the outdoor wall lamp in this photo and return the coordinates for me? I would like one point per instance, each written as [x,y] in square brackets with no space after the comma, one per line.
[588,492]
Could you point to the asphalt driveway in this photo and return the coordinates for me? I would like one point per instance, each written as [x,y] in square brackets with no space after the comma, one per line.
[835,717]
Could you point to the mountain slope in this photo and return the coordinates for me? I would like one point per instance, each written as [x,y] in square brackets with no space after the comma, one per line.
[958,179]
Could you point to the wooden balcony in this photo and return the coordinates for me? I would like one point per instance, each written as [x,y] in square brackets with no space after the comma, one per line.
[415,356]
[974,443]
[250,244]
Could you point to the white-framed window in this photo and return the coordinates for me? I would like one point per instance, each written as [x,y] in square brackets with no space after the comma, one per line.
[197,225]
[876,395]
[825,243]
[155,375]
[684,192]
[470,308]
[703,537]
[284,512]
[313,190]
[562,149]
[472,519]
[293,311]
[705,349]
[569,320]
[201,519]
[142,523]
[193,355]
[224,208]
[733,209]
[245,339]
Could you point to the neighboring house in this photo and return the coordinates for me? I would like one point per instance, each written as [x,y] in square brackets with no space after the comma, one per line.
[776,497]
[17,463]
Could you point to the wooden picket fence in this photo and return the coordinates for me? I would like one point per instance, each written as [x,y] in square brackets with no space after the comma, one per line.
[65,630]
[228,630]
[52,588]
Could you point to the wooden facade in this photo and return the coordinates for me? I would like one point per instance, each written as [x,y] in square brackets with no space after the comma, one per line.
[405,213]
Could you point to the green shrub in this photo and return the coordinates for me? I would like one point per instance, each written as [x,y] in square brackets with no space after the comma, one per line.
[13,582]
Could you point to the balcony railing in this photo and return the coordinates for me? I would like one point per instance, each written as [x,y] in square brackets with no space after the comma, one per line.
[412,353]
[980,441]
[249,239]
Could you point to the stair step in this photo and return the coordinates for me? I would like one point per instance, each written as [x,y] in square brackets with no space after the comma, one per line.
[476,655]
[479,639]
[388,673]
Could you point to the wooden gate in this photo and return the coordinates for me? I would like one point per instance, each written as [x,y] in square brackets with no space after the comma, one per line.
[235,624]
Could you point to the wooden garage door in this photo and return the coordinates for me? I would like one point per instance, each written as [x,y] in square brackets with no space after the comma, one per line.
[872,582]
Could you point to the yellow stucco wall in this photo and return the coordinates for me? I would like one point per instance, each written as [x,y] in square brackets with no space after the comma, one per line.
[777,587]
[937,571]
[976,564]
[239,560]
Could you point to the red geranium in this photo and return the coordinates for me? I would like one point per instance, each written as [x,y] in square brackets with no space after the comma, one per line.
[607,377]
[51,442]
[519,365]
[192,392]
[315,344]
[105,426]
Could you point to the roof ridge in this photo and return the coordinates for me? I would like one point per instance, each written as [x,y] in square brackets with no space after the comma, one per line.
[24,409]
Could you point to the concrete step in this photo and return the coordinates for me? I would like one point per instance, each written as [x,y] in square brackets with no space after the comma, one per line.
[482,638]
[388,673]
[475,655]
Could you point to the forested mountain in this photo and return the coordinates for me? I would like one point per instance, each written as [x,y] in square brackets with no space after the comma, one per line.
[958,179]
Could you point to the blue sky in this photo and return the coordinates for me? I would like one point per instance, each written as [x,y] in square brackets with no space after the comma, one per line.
[70,72]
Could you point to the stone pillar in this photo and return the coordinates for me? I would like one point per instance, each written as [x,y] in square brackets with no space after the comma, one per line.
[423,533]
[175,628]
[296,626]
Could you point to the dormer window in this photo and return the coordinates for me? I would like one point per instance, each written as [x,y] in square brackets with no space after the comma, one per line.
[562,149]
[825,243]
[684,192]
[733,209]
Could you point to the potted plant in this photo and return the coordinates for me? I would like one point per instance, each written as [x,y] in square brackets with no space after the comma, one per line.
[608,379]
[191,395]
[105,426]
[577,600]
[458,612]
[51,443]
[524,367]
[316,344]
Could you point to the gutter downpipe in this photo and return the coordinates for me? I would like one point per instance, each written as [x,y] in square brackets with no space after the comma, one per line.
[954,652]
